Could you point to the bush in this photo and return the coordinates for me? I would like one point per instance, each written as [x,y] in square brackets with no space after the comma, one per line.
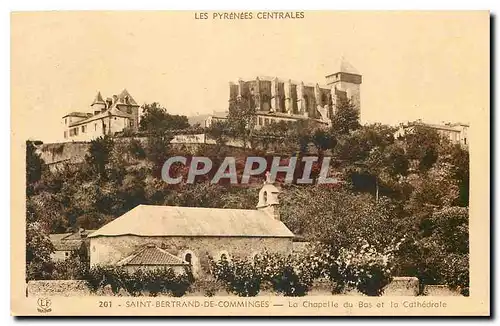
[364,268]
[239,276]
[291,275]
[70,269]
[287,275]
[361,267]
[154,282]
[136,150]
[455,269]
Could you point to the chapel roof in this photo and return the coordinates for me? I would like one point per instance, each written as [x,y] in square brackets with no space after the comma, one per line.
[150,220]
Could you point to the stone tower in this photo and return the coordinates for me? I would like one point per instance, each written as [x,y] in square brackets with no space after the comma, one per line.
[345,81]
[98,105]
[268,199]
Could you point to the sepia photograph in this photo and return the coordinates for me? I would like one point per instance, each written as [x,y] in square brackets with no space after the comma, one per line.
[250,163]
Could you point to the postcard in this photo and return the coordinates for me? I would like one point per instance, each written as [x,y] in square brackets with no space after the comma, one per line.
[248,163]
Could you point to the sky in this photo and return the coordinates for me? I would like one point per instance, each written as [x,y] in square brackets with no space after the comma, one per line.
[415,65]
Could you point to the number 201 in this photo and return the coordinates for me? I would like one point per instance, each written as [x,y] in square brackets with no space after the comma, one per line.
[104,304]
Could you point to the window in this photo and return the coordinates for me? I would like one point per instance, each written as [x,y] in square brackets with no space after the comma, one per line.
[66,254]
[84,129]
[260,121]
[65,134]
[465,141]
[188,258]
[65,120]
[95,126]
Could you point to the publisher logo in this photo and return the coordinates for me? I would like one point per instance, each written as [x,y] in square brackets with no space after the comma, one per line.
[44,305]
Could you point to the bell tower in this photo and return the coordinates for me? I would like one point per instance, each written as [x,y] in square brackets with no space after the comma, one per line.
[345,82]
[268,199]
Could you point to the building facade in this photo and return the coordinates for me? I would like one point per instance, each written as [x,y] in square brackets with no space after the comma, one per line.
[276,99]
[190,235]
[455,132]
[104,117]
[65,244]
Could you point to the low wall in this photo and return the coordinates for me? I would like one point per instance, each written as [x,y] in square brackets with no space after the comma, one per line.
[66,288]
[440,291]
[400,286]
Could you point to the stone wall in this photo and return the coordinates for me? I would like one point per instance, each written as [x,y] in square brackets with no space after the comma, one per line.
[71,152]
[66,288]
[440,290]
[401,286]
[110,250]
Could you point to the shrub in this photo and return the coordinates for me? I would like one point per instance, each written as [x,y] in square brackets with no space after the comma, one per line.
[136,150]
[239,276]
[155,282]
[455,269]
[291,275]
[70,269]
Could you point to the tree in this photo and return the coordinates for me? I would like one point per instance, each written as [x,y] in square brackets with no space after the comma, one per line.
[155,119]
[157,150]
[323,141]
[370,153]
[99,154]
[346,118]
[241,119]
[38,251]
[34,166]
[219,131]
[338,217]
[438,249]
[422,145]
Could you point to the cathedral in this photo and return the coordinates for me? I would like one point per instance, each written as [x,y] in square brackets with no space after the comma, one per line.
[277,99]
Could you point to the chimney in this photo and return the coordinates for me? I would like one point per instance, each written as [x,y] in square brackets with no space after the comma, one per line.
[268,199]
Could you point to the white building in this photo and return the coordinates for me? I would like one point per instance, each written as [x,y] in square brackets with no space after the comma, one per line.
[104,117]
[455,132]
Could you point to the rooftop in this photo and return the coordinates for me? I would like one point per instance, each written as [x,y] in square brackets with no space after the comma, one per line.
[150,220]
[152,255]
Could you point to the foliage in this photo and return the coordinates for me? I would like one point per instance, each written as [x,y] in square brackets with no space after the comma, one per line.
[241,119]
[135,148]
[361,266]
[99,155]
[38,251]
[34,166]
[239,276]
[154,282]
[73,268]
[219,131]
[346,118]
[339,217]
[415,187]
[156,120]
[422,145]
[290,275]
